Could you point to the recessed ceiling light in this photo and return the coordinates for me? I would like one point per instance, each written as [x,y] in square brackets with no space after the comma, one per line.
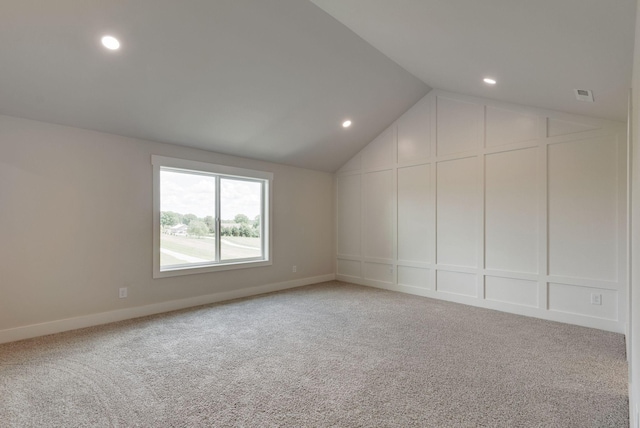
[110,43]
[489,81]
[346,124]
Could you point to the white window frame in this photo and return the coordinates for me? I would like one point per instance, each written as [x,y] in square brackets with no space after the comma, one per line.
[221,171]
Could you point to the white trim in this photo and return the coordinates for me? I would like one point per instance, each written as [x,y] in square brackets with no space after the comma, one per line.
[209,167]
[231,265]
[59,326]
[220,171]
[553,114]
[564,317]
[541,142]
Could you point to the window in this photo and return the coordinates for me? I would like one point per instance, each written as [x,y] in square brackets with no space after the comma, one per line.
[208,217]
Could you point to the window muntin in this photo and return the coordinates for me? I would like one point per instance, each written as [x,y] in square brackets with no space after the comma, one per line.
[209,217]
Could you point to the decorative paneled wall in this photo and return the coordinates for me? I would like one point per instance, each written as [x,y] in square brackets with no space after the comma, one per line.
[494,205]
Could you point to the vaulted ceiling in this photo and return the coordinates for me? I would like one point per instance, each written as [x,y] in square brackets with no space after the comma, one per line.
[275,79]
[538,51]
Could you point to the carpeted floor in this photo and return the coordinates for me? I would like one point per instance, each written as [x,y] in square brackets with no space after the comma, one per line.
[332,354]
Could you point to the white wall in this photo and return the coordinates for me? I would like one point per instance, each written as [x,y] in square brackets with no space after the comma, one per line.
[633,337]
[491,204]
[76,224]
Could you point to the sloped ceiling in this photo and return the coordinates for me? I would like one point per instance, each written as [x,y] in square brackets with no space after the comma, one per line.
[271,80]
[274,79]
[538,51]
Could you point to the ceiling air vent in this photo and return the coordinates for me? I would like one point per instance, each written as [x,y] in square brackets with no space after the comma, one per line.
[584,95]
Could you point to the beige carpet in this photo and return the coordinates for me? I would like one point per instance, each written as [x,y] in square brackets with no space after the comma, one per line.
[331,354]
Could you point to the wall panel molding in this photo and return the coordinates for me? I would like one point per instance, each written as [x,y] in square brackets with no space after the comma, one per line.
[483,199]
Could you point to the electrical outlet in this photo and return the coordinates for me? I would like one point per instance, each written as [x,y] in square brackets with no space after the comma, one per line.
[294,269]
[596,299]
[122,292]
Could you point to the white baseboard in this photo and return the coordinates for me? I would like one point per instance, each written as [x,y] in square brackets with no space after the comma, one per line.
[567,318]
[58,326]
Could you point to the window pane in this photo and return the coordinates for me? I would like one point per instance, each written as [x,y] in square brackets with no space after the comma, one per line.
[187,218]
[240,211]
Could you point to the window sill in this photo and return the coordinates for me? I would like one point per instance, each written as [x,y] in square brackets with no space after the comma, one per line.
[186,270]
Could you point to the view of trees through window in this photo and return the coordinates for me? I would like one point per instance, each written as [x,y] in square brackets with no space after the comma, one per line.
[188,218]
